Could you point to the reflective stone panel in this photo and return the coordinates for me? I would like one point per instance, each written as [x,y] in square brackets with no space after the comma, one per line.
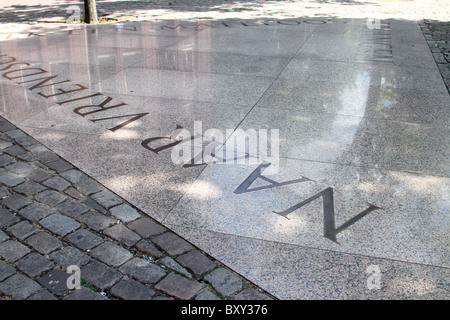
[359,210]
[307,154]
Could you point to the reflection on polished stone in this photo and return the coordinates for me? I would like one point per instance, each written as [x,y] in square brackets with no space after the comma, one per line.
[224,63]
[404,202]
[357,141]
[211,87]
[362,119]
[364,97]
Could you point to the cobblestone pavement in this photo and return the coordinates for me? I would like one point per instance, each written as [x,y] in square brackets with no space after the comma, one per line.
[53,216]
[437,34]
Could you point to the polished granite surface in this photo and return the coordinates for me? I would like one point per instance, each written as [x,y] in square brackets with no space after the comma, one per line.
[362,177]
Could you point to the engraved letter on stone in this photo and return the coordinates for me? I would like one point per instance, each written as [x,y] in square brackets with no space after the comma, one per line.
[329,231]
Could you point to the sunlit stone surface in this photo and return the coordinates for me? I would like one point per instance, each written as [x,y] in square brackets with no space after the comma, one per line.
[362,177]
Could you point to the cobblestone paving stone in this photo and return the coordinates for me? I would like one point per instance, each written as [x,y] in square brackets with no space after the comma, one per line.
[122,253]
[437,34]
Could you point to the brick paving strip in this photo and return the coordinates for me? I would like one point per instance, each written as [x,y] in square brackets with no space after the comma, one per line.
[437,34]
[53,216]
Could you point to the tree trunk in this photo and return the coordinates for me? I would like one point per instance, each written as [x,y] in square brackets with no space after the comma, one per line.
[90,11]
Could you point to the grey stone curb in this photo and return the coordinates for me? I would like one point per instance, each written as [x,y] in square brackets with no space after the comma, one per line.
[50,220]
